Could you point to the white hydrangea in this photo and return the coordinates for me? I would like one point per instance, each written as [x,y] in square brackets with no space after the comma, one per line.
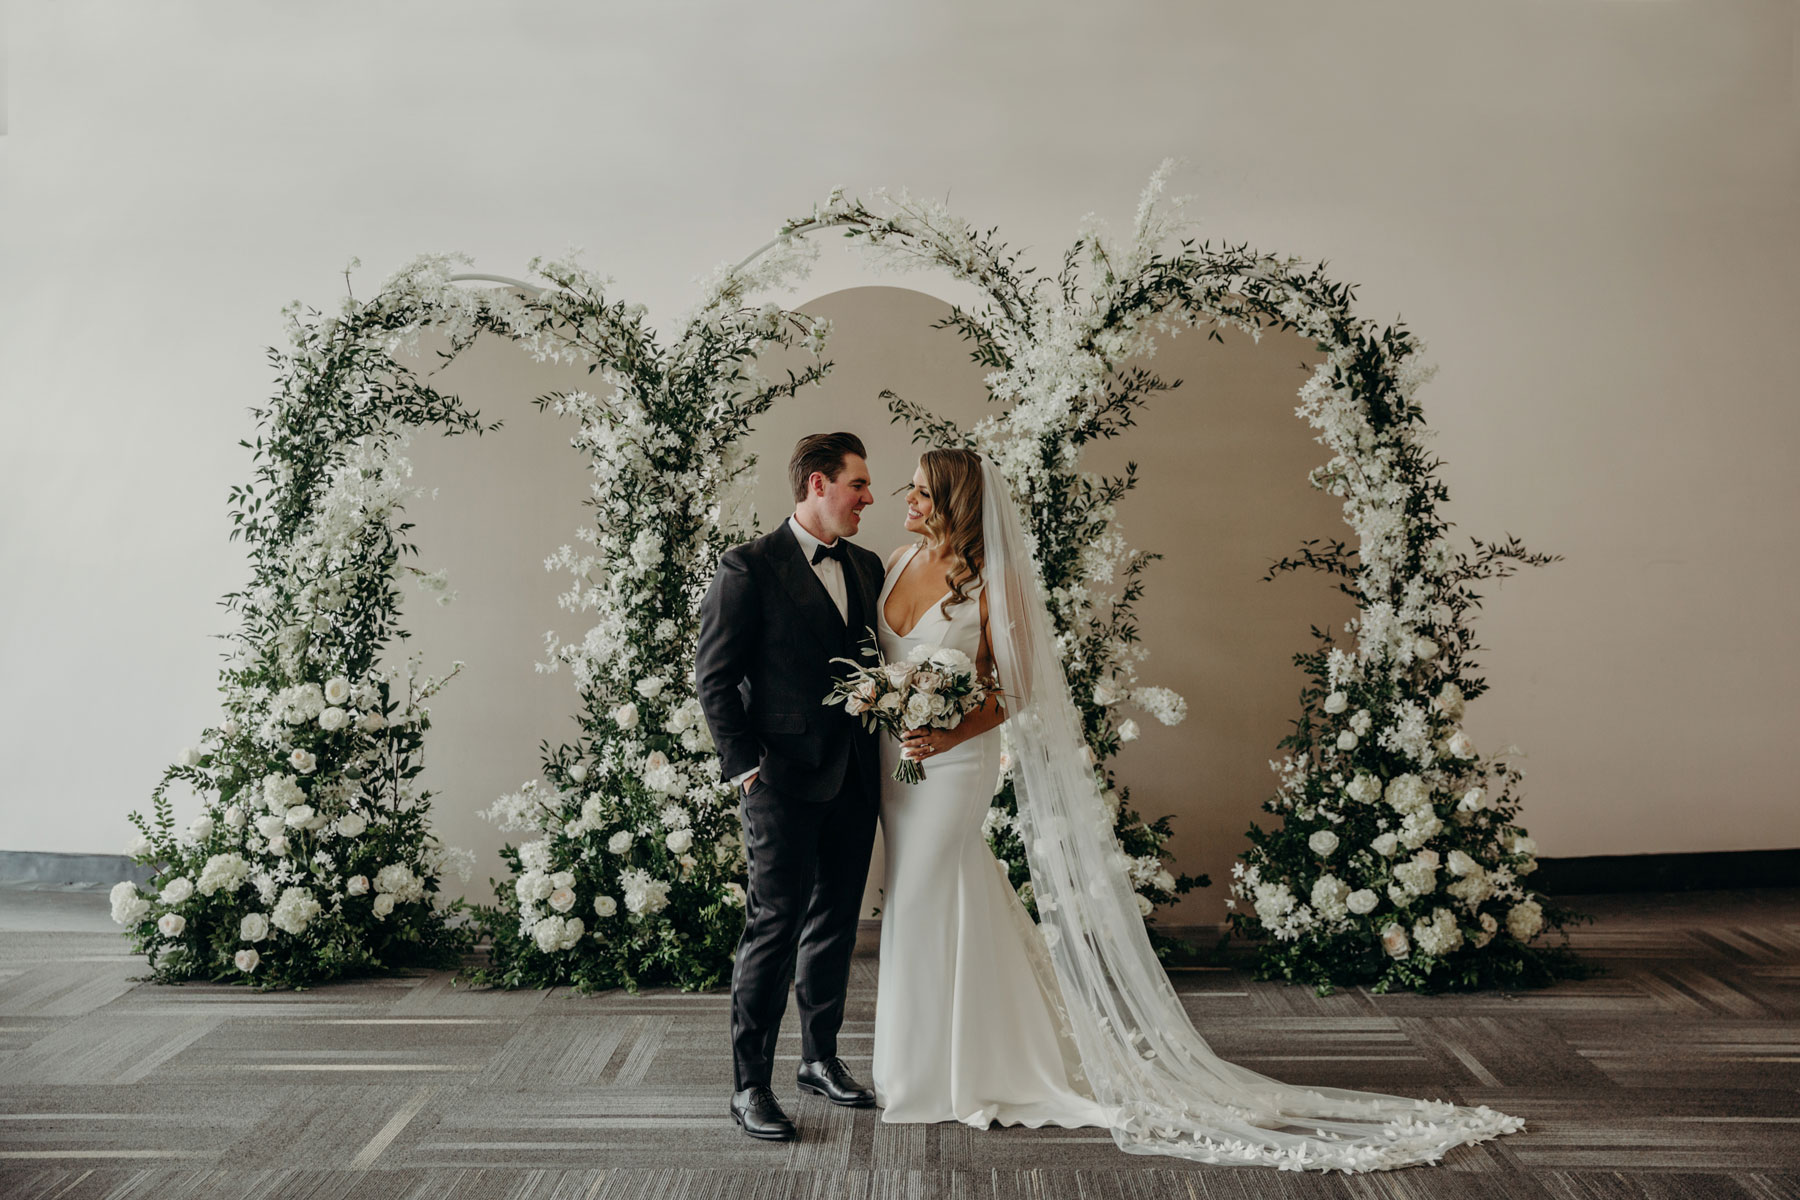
[556,934]
[281,792]
[1439,935]
[1408,793]
[1364,789]
[535,855]
[1329,897]
[644,895]
[1419,828]
[1524,920]
[398,881]
[128,906]
[1418,875]
[295,910]
[223,872]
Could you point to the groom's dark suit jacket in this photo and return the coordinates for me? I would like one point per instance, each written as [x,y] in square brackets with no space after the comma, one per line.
[768,633]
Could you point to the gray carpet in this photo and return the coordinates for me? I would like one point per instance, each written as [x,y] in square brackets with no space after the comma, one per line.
[1675,1075]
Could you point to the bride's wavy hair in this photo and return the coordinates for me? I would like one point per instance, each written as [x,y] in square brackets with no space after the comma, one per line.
[954,477]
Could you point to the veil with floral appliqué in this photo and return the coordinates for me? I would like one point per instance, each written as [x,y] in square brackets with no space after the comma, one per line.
[1140,1054]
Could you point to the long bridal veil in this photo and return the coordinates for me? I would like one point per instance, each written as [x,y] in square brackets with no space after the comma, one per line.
[1139,1052]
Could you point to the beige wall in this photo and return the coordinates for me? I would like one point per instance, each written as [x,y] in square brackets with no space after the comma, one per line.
[1587,209]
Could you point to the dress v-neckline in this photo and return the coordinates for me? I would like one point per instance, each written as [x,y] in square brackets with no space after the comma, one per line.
[888,590]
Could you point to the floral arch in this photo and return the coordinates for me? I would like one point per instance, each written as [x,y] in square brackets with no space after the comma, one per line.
[313,857]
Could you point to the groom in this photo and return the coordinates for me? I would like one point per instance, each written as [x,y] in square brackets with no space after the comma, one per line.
[808,776]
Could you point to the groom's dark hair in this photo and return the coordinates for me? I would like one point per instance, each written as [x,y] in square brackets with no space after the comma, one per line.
[824,453]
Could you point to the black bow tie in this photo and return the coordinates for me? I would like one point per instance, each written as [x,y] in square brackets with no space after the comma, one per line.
[835,550]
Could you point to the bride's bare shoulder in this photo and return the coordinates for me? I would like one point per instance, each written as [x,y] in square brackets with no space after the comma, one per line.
[899,552]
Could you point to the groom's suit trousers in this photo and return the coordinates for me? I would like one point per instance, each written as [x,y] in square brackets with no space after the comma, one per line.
[807,866]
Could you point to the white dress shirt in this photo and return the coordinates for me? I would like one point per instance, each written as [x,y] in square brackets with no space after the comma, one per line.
[829,570]
[831,573]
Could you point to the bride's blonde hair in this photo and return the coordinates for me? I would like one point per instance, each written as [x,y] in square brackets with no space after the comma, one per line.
[954,477]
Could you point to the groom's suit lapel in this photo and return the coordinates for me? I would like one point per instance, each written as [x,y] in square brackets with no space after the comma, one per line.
[803,586]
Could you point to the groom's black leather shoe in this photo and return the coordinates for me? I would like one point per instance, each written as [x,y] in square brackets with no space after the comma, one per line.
[830,1078]
[757,1111]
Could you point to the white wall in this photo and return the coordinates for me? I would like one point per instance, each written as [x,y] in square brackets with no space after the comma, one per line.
[1587,209]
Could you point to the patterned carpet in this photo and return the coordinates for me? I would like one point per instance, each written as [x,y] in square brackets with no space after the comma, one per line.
[1674,1075]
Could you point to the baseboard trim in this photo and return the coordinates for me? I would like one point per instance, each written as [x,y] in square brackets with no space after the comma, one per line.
[1711,870]
[1577,876]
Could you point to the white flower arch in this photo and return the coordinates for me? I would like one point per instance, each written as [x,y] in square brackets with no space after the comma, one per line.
[315,839]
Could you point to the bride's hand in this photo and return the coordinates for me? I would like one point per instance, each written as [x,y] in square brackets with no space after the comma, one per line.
[919,744]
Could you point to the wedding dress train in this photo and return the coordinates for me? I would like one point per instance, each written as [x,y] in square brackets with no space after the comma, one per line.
[973,1024]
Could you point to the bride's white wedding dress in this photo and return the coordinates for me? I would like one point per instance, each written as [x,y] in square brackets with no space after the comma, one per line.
[966,1027]
[981,1016]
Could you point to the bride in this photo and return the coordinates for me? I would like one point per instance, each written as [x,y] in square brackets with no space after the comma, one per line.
[982,1017]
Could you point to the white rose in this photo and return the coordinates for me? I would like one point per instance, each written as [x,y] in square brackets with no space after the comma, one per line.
[1386,844]
[1362,901]
[578,773]
[372,722]
[1472,801]
[1143,903]
[605,906]
[679,841]
[303,761]
[190,756]
[230,727]
[351,825]
[201,829]
[1323,843]
[333,719]
[177,890]
[1346,740]
[171,924]
[297,816]
[1425,649]
[254,927]
[619,842]
[562,900]
[270,825]
[1128,730]
[278,845]
[1461,745]
[234,817]
[384,904]
[1395,942]
[1336,703]
[626,715]
[1460,863]
[246,960]
[734,893]
[1107,694]
[140,846]
[356,885]
[918,710]
[337,690]
[651,687]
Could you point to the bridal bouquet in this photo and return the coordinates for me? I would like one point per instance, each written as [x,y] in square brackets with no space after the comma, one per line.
[935,688]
